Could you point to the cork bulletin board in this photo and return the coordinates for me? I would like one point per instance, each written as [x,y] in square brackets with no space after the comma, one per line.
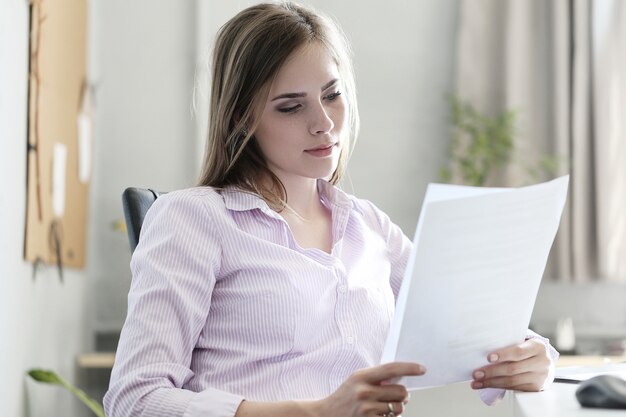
[59,134]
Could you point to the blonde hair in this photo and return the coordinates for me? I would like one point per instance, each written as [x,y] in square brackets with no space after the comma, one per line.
[249,51]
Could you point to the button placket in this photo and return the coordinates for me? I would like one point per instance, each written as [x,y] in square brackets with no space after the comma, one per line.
[344,318]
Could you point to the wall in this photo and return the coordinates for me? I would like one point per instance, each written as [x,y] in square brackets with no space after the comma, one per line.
[142,67]
[404,60]
[34,313]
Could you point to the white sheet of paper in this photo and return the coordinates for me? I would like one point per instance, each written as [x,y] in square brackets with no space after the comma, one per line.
[473,276]
[85,133]
[582,373]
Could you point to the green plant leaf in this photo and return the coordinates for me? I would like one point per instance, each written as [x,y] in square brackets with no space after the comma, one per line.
[482,144]
[47,377]
[50,377]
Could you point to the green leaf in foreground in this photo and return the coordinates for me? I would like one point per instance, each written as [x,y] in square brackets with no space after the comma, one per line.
[50,377]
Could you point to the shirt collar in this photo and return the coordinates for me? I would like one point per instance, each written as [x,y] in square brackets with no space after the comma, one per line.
[236,199]
[333,196]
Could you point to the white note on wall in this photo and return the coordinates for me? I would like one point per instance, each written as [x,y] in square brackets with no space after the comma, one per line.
[473,276]
[85,135]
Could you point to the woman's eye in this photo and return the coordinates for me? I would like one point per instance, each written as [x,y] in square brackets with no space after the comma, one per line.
[291,109]
[333,96]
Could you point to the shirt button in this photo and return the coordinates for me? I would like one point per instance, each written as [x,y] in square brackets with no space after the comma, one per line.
[343,289]
[349,340]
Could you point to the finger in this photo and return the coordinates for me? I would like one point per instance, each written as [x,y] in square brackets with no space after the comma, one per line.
[534,364]
[524,350]
[380,373]
[391,393]
[534,387]
[506,382]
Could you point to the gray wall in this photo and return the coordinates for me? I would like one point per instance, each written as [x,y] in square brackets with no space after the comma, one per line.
[142,67]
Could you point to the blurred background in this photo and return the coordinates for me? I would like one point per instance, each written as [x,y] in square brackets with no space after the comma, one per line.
[546,80]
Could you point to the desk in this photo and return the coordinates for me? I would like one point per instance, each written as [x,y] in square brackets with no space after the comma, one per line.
[578,360]
[558,401]
[106,359]
[96,360]
[560,398]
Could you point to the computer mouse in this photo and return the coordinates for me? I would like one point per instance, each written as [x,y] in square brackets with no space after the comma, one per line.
[602,391]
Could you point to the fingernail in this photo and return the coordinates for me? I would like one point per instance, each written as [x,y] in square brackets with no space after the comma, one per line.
[479,374]
[477,385]
[422,369]
[493,357]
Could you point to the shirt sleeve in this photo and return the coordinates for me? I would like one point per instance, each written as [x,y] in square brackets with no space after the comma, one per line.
[174,271]
[398,247]
[491,396]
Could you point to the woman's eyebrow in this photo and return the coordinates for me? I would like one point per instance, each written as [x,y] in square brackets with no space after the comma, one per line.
[297,95]
[329,84]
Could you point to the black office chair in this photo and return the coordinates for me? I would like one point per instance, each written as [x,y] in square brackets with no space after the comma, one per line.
[136,202]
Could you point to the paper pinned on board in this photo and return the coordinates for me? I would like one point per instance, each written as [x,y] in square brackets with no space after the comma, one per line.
[472,277]
[84,147]
[85,133]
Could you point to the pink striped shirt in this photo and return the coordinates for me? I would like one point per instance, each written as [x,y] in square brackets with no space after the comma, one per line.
[225,305]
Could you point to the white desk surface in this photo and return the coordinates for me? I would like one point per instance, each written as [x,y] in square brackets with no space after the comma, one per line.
[558,401]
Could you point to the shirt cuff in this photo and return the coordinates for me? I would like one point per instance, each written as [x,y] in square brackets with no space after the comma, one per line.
[213,403]
[552,354]
[491,396]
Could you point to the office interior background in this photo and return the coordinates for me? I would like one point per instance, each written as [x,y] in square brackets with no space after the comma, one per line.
[148,66]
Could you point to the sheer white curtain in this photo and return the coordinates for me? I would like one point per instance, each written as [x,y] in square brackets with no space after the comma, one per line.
[609,96]
[561,65]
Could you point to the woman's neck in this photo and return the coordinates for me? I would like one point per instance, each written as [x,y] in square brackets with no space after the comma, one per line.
[303,197]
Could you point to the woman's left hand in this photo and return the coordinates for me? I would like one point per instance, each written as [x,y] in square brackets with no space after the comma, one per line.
[522,367]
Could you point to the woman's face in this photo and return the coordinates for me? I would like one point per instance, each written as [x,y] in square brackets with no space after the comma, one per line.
[303,122]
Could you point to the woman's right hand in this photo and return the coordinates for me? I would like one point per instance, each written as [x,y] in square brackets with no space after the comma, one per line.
[369,392]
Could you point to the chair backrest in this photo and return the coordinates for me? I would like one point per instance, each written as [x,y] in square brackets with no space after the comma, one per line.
[136,202]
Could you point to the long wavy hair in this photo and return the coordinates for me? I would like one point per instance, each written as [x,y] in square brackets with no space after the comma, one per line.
[249,51]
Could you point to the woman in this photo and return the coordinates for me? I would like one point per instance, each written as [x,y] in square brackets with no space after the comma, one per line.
[267,291]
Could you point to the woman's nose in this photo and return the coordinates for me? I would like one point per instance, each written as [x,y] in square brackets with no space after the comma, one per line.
[321,122]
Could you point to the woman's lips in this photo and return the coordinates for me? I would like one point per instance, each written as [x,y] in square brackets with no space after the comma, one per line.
[322,151]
